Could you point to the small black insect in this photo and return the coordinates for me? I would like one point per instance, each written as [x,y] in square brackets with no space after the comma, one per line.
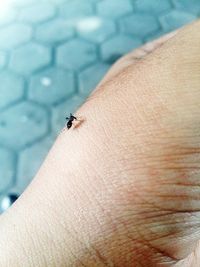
[70,120]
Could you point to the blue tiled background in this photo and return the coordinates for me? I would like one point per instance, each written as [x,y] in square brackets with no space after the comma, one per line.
[52,54]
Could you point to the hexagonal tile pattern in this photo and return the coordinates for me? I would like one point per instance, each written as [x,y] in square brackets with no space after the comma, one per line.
[11,89]
[97,71]
[51,86]
[113,8]
[29,57]
[27,169]
[176,19]
[14,35]
[155,7]
[76,10]
[7,167]
[76,54]
[192,6]
[25,120]
[144,24]
[101,30]
[62,48]
[117,46]
[37,13]
[54,31]
[64,109]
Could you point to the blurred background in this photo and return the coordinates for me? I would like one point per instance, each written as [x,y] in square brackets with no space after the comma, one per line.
[52,55]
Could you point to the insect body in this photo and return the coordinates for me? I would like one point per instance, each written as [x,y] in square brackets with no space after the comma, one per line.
[70,120]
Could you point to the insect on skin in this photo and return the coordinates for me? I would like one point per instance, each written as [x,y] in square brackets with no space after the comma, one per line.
[70,121]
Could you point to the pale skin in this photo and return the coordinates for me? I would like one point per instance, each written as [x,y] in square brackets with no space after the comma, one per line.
[122,188]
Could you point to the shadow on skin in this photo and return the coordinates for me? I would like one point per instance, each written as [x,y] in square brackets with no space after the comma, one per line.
[77,123]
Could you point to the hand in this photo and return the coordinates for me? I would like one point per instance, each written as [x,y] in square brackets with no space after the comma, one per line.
[123,188]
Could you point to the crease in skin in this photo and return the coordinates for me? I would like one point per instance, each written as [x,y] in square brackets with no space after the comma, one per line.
[159,255]
[168,164]
[157,201]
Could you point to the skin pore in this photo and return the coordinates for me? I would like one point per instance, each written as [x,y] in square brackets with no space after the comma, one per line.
[122,189]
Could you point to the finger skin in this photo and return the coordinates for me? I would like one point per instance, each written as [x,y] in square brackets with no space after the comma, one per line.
[122,189]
